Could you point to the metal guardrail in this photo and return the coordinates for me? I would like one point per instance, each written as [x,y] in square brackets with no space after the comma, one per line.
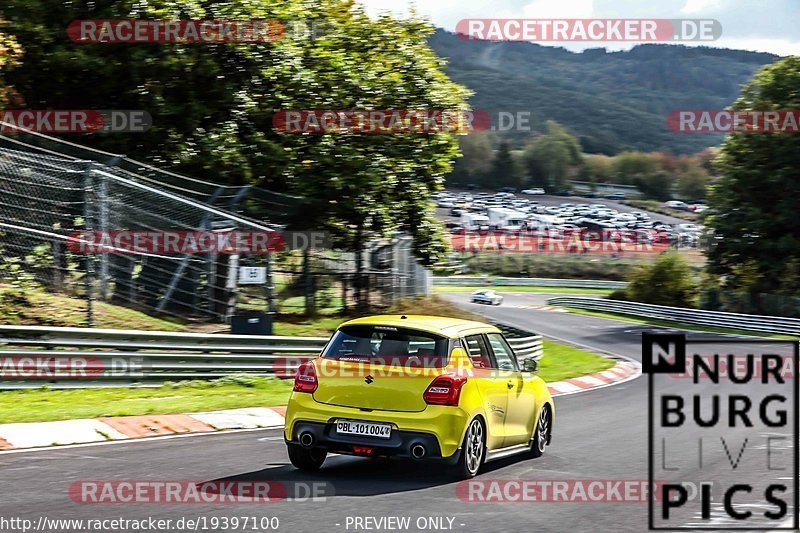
[472,281]
[36,356]
[756,323]
[105,357]
[527,347]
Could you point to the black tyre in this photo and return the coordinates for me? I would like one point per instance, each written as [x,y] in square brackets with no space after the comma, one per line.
[542,432]
[306,459]
[473,451]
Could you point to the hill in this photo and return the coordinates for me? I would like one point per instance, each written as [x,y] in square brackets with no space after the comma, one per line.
[612,101]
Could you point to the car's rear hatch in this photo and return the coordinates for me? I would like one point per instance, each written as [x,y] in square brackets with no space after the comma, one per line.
[366,386]
[380,367]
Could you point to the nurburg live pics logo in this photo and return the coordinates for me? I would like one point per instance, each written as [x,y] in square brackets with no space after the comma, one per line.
[730,433]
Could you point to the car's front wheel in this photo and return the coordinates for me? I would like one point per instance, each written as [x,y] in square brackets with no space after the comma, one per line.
[541,433]
[473,451]
[306,459]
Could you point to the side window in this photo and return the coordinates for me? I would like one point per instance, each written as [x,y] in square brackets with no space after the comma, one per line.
[503,354]
[478,351]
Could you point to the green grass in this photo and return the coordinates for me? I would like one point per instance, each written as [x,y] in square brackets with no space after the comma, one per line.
[561,362]
[40,308]
[655,206]
[674,324]
[321,326]
[38,405]
[524,288]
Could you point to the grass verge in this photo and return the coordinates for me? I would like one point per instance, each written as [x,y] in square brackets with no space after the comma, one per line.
[561,362]
[40,405]
[40,308]
[525,288]
[674,324]
[655,206]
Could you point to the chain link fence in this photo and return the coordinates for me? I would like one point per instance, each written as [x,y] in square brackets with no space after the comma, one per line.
[53,193]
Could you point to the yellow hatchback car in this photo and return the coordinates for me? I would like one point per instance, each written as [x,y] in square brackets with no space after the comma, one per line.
[420,387]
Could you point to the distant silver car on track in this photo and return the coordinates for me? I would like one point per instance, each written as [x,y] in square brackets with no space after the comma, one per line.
[486,296]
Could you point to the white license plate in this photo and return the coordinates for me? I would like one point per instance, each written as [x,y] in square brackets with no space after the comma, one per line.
[364,429]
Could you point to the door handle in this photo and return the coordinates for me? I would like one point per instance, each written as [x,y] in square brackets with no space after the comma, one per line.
[510,384]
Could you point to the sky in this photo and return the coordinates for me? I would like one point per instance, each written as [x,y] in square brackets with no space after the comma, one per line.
[758,25]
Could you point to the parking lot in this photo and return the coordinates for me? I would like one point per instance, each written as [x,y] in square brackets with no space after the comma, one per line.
[557,216]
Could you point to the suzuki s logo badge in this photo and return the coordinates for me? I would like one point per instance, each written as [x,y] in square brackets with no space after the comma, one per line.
[369,379]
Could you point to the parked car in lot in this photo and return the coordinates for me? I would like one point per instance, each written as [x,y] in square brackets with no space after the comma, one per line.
[689,228]
[505,218]
[616,196]
[418,387]
[486,296]
[509,213]
[536,190]
[677,204]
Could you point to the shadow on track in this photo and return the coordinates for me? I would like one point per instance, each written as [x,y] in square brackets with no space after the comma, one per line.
[356,476]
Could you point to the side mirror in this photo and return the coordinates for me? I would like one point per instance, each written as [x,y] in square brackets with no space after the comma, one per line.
[529,365]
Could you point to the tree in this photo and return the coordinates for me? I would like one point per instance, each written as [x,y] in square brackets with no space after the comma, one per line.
[10,54]
[693,183]
[475,160]
[551,156]
[667,281]
[629,166]
[212,104]
[754,203]
[598,168]
[502,170]
[657,185]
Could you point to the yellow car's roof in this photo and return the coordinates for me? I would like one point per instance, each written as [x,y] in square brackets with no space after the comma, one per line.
[445,326]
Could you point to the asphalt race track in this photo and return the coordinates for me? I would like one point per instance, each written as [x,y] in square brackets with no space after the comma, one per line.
[599,435]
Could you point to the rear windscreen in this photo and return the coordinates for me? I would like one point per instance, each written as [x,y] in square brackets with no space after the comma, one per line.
[388,345]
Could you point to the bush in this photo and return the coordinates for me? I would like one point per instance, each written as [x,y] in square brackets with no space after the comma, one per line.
[619,294]
[667,281]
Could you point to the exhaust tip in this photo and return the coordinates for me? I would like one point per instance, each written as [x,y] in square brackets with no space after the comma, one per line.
[307,439]
[418,451]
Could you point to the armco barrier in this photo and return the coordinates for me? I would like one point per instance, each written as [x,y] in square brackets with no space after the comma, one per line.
[757,323]
[473,281]
[106,357]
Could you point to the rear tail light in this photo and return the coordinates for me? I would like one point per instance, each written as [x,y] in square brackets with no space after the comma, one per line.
[444,390]
[363,450]
[305,380]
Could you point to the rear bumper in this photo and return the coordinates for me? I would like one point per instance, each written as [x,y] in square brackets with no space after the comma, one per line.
[400,444]
[440,429]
